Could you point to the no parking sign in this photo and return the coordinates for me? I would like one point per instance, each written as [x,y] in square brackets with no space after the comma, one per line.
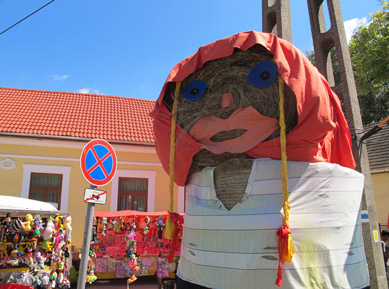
[98,162]
[98,165]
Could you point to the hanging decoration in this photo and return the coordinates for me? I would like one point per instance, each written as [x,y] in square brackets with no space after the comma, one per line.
[34,250]
[139,243]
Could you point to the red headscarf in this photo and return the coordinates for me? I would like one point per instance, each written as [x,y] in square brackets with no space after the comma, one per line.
[321,135]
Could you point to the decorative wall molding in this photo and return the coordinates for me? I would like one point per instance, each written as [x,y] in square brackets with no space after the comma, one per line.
[181,200]
[73,144]
[7,164]
[74,159]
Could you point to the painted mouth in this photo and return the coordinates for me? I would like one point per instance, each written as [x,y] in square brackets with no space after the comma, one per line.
[243,130]
[227,135]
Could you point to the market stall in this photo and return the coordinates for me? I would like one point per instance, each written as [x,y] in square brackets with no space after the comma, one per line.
[113,244]
[35,243]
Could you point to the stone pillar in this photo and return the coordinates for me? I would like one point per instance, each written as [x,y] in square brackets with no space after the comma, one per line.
[324,41]
[276,18]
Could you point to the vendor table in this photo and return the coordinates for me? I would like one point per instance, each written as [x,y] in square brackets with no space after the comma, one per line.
[110,244]
[15,286]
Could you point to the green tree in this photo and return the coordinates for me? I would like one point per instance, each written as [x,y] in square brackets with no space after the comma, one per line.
[369,55]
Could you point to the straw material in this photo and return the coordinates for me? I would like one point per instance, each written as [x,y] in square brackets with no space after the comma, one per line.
[231,180]
[222,75]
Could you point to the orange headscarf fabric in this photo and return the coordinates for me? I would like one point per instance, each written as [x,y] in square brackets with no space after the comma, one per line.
[321,135]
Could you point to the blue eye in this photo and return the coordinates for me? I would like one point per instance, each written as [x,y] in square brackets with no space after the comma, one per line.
[264,74]
[194,90]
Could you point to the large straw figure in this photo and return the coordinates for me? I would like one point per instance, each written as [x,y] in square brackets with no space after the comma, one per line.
[264,151]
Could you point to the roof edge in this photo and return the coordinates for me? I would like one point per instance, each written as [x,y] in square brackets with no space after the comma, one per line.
[381,171]
[69,138]
[78,93]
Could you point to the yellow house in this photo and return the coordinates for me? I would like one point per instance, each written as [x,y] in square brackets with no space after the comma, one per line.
[42,134]
[378,152]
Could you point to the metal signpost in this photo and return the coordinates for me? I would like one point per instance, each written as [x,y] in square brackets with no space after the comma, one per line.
[98,165]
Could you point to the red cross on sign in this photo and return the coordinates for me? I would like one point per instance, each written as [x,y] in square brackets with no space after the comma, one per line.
[98,162]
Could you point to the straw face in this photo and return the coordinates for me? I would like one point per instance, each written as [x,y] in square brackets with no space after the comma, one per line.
[229,74]
[229,106]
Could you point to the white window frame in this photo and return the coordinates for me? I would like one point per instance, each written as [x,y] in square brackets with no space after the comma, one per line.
[149,175]
[181,200]
[48,169]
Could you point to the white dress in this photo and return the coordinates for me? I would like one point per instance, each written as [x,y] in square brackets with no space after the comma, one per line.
[238,248]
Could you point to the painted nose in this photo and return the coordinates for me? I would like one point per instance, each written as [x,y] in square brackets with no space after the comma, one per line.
[227,100]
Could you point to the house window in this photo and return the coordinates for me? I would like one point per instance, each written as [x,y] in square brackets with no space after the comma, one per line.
[132,194]
[46,188]
[64,171]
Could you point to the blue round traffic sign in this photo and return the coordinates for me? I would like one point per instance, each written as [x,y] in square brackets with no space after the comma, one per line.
[98,162]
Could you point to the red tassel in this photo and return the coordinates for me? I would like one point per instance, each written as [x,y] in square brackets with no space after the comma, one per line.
[282,234]
[177,220]
[279,277]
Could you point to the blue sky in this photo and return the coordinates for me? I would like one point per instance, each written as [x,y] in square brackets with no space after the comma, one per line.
[127,48]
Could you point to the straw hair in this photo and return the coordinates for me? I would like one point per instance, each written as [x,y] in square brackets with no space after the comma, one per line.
[285,244]
[284,168]
[172,145]
[169,224]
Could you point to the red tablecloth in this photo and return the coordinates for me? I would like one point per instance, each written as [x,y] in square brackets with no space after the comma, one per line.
[15,286]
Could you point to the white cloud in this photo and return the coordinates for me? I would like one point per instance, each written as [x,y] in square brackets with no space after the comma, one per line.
[88,90]
[351,26]
[60,77]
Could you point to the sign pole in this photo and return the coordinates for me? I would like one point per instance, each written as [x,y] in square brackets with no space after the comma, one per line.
[86,244]
[98,165]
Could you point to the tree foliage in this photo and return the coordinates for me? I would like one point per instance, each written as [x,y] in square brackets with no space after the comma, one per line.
[369,54]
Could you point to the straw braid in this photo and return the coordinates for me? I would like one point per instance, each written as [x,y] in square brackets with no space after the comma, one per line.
[284,168]
[285,246]
[170,227]
[172,144]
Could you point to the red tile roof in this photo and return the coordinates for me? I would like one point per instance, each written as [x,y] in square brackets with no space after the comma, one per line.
[75,115]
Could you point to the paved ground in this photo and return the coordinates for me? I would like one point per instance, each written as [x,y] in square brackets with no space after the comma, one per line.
[147,282]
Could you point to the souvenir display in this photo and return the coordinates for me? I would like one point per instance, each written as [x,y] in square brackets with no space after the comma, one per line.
[90,273]
[258,138]
[131,252]
[135,239]
[34,250]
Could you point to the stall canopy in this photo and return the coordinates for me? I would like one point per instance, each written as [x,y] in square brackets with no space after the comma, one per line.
[9,204]
[102,214]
